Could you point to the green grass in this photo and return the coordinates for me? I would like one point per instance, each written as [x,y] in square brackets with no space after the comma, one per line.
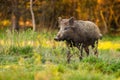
[36,56]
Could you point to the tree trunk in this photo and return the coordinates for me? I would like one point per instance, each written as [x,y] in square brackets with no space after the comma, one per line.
[15,15]
[105,24]
[33,17]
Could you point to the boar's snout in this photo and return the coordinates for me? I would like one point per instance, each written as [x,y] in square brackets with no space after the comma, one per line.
[56,38]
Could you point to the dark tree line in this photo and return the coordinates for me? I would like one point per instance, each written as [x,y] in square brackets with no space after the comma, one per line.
[105,13]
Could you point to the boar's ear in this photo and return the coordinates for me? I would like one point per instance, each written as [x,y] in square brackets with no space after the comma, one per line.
[59,19]
[71,21]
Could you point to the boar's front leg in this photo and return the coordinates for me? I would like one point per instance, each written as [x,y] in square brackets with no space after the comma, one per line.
[69,55]
[96,48]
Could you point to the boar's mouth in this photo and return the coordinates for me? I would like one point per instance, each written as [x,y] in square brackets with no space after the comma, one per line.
[58,39]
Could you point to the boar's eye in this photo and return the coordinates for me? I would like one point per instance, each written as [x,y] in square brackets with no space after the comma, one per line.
[66,28]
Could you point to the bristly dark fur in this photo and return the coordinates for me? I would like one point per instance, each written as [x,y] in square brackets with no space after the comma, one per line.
[80,34]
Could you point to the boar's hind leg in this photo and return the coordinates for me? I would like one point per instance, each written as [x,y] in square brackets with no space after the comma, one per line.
[80,47]
[96,48]
[86,50]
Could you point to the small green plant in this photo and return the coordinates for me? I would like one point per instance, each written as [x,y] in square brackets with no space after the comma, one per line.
[118,49]
[61,68]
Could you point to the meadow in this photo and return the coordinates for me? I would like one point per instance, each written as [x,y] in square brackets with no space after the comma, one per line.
[29,55]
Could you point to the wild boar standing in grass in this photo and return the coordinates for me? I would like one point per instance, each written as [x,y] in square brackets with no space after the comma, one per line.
[80,34]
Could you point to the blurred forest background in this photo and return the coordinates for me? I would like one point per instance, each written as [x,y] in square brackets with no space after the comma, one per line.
[33,54]
[15,14]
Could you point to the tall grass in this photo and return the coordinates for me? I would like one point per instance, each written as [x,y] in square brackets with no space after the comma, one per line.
[29,55]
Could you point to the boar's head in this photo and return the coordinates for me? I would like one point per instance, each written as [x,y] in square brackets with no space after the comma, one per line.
[66,31]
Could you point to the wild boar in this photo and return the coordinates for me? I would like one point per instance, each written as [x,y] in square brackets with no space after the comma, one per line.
[80,34]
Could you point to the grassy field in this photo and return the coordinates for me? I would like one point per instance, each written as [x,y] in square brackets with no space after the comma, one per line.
[36,56]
